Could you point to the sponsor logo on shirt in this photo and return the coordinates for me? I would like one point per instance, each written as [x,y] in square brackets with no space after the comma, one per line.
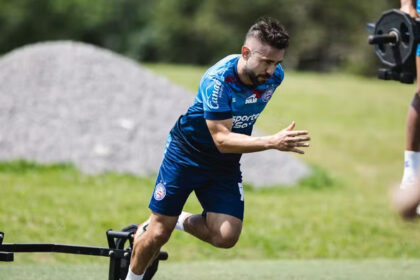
[251,99]
[213,99]
[244,121]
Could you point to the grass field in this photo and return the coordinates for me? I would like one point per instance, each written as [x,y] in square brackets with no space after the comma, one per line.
[234,270]
[357,130]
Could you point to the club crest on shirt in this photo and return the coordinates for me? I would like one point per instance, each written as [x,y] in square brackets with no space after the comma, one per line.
[267,95]
[160,192]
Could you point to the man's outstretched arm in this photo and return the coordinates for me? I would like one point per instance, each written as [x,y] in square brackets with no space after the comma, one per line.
[227,141]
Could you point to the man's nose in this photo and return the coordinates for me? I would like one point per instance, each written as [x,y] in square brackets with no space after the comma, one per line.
[271,69]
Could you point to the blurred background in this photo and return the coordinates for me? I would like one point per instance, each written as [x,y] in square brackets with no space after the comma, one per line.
[327,35]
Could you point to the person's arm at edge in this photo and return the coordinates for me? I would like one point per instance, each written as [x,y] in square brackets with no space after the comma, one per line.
[409,7]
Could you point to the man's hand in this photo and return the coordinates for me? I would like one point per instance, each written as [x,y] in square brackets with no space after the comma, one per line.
[289,140]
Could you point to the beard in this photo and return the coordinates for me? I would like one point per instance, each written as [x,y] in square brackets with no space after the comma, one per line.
[255,79]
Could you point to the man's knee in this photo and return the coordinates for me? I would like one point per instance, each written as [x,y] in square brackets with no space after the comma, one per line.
[225,241]
[224,230]
[156,235]
[161,235]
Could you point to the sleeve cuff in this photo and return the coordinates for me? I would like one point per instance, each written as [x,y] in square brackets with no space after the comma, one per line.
[216,116]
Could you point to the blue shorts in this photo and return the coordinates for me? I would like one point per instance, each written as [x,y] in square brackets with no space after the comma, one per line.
[218,192]
[418,50]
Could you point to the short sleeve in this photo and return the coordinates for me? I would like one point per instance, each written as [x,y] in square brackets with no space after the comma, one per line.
[216,100]
[279,74]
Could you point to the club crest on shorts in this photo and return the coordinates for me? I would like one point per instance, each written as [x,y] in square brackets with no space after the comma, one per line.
[160,192]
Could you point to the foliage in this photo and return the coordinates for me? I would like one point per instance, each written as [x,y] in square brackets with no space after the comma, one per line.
[23,166]
[319,179]
[326,34]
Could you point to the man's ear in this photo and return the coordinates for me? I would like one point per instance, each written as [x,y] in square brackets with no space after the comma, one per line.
[246,52]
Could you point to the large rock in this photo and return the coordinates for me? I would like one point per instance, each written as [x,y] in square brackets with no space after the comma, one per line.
[72,102]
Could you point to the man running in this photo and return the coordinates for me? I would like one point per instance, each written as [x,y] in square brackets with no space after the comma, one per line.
[205,145]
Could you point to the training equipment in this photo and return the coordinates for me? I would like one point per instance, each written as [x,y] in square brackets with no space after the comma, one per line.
[395,36]
[118,253]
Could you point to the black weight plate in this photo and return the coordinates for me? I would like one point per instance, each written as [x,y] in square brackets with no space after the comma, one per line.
[396,55]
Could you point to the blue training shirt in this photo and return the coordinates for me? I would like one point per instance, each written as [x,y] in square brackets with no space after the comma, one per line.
[221,95]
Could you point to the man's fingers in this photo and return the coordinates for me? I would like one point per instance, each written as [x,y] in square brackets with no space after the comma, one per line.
[297,133]
[291,126]
[297,139]
[294,145]
[302,144]
[295,150]
[290,140]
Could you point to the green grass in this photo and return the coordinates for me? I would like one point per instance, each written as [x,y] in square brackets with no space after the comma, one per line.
[357,130]
[234,270]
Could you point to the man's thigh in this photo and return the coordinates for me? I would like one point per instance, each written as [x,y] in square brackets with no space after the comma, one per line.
[223,194]
[174,184]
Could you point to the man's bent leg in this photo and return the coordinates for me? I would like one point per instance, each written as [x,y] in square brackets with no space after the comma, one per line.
[222,199]
[147,245]
[218,229]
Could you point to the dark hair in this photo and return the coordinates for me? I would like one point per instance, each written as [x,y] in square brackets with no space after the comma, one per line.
[270,31]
